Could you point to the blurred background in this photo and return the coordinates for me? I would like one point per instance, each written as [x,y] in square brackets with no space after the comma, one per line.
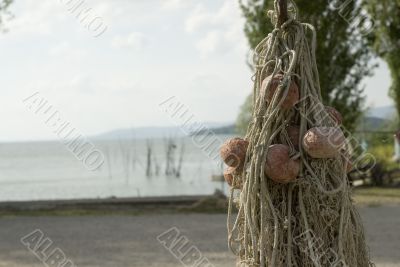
[108,106]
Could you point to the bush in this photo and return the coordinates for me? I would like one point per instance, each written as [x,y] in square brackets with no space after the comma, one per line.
[384,155]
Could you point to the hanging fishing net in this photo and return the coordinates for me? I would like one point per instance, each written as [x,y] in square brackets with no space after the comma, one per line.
[289,173]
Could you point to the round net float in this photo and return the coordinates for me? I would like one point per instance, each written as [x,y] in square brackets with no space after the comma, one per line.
[335,115]
[271,216]
[270,86]
[233,178]
[279,166]
[233,152]
[323,142]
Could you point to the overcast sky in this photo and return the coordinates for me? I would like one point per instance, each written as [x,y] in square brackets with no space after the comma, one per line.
[151,50]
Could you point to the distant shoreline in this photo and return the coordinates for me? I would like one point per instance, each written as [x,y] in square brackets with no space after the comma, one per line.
[94,203]
[216,203]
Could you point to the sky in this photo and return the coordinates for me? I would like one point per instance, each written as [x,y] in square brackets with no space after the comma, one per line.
[143,53]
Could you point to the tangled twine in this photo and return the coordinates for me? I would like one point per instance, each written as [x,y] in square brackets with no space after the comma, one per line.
[310,221]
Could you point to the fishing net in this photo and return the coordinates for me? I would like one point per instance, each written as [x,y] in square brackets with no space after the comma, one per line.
[310,221]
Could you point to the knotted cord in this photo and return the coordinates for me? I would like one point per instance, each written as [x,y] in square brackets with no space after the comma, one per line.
[311,221]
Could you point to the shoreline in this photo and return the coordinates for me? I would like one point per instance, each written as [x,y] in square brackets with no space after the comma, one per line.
[215,203]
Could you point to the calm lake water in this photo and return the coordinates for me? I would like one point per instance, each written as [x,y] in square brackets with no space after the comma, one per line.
[48,170]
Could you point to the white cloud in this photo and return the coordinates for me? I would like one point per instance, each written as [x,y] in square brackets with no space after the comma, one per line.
[220,30]
[59,49]
[99,88]
[210,43]
[203,18]
[66,52]
[198,18]
[106,83]
[174,4]
[33,18]
[134,40]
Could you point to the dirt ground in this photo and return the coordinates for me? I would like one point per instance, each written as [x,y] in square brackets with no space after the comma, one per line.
[124,241]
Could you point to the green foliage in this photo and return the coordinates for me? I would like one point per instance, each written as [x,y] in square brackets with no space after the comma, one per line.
[342,52]
[383,134]
[244,116]
[380,142]
[386,38]
[4,5]
[384,155]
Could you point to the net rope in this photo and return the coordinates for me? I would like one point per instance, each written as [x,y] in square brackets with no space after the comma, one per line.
[312,220]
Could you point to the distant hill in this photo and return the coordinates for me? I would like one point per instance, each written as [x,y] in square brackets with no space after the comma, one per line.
[160,132]
[387,112]
[371,124]
[378,118]
[141,133]
[229,129]
[375,118]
